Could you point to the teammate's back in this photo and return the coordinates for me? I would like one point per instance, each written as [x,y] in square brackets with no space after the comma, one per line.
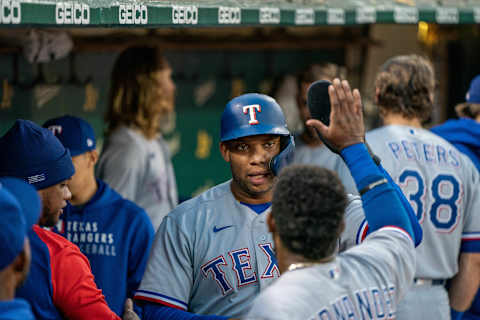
[440,183]
[365,282]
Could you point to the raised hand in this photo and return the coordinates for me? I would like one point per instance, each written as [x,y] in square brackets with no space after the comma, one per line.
[346,118]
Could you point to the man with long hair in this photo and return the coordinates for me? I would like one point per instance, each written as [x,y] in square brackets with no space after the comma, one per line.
[135,160]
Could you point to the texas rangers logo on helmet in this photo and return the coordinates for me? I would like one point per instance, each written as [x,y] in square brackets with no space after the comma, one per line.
[55,129]
[252,111]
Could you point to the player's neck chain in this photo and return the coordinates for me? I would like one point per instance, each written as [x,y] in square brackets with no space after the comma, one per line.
[302,265]
[308,264]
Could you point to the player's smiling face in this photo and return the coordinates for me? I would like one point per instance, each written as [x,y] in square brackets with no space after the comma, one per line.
[249,158]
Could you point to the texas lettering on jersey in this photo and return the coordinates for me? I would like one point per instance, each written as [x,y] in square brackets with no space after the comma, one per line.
[240,262]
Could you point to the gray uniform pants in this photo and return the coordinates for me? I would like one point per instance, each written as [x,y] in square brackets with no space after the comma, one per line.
[424,302]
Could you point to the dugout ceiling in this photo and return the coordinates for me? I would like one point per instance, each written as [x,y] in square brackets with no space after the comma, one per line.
[108,13]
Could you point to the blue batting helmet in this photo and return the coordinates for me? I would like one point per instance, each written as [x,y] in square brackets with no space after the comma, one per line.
[254,114]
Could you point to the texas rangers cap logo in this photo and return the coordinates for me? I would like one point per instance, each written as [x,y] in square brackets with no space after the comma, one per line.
[55,129]
[252,110]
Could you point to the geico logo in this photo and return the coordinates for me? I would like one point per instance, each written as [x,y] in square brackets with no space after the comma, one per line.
[132,14]
[270,15]
[184,15]
[72,13]
[11,12]
[304,16]
[227,15]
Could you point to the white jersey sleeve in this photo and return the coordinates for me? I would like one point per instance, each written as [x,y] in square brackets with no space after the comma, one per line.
[355,224]
[171,254]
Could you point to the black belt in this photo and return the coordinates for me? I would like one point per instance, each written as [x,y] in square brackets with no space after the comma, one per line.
[429,282]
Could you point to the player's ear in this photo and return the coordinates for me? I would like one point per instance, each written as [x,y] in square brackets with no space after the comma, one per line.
[225,151]
[271,223]
[93,157]
[377,93]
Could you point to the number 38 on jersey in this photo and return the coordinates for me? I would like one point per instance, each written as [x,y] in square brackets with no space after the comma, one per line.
[440,197]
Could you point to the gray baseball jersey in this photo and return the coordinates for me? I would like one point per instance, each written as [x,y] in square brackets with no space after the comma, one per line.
[322,157]
[364,282]
[211,255]
[141,171]
[442,186]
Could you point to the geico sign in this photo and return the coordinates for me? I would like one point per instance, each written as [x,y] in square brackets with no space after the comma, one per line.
[10,11]
[227,15]
[132,14]
[184,15]
[72,13]
[269,15]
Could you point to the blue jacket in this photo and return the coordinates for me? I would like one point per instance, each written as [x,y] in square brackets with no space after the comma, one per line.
[115,235]
[464,134]
[15,309]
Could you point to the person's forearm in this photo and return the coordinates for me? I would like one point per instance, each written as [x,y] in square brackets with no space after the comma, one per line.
[464,285]
[153,311]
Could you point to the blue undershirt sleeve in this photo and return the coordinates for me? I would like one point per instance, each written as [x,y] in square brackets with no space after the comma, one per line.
[154,311]
[365,172]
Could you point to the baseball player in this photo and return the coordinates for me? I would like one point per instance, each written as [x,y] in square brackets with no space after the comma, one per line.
[366,281]
[114,233]
[60,283]
[135,160]
[213,253]
[15,256]
[441,184]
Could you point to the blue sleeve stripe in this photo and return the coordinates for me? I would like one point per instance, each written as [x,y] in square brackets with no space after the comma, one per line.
[470,245]
[160,298]
[362,231]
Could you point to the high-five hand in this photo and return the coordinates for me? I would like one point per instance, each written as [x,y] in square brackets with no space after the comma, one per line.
[346,118]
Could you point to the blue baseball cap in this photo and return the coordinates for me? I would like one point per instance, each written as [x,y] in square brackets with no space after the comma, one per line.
[74,133]
[12,228]
[32,153]
[473,94]
[27,197]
